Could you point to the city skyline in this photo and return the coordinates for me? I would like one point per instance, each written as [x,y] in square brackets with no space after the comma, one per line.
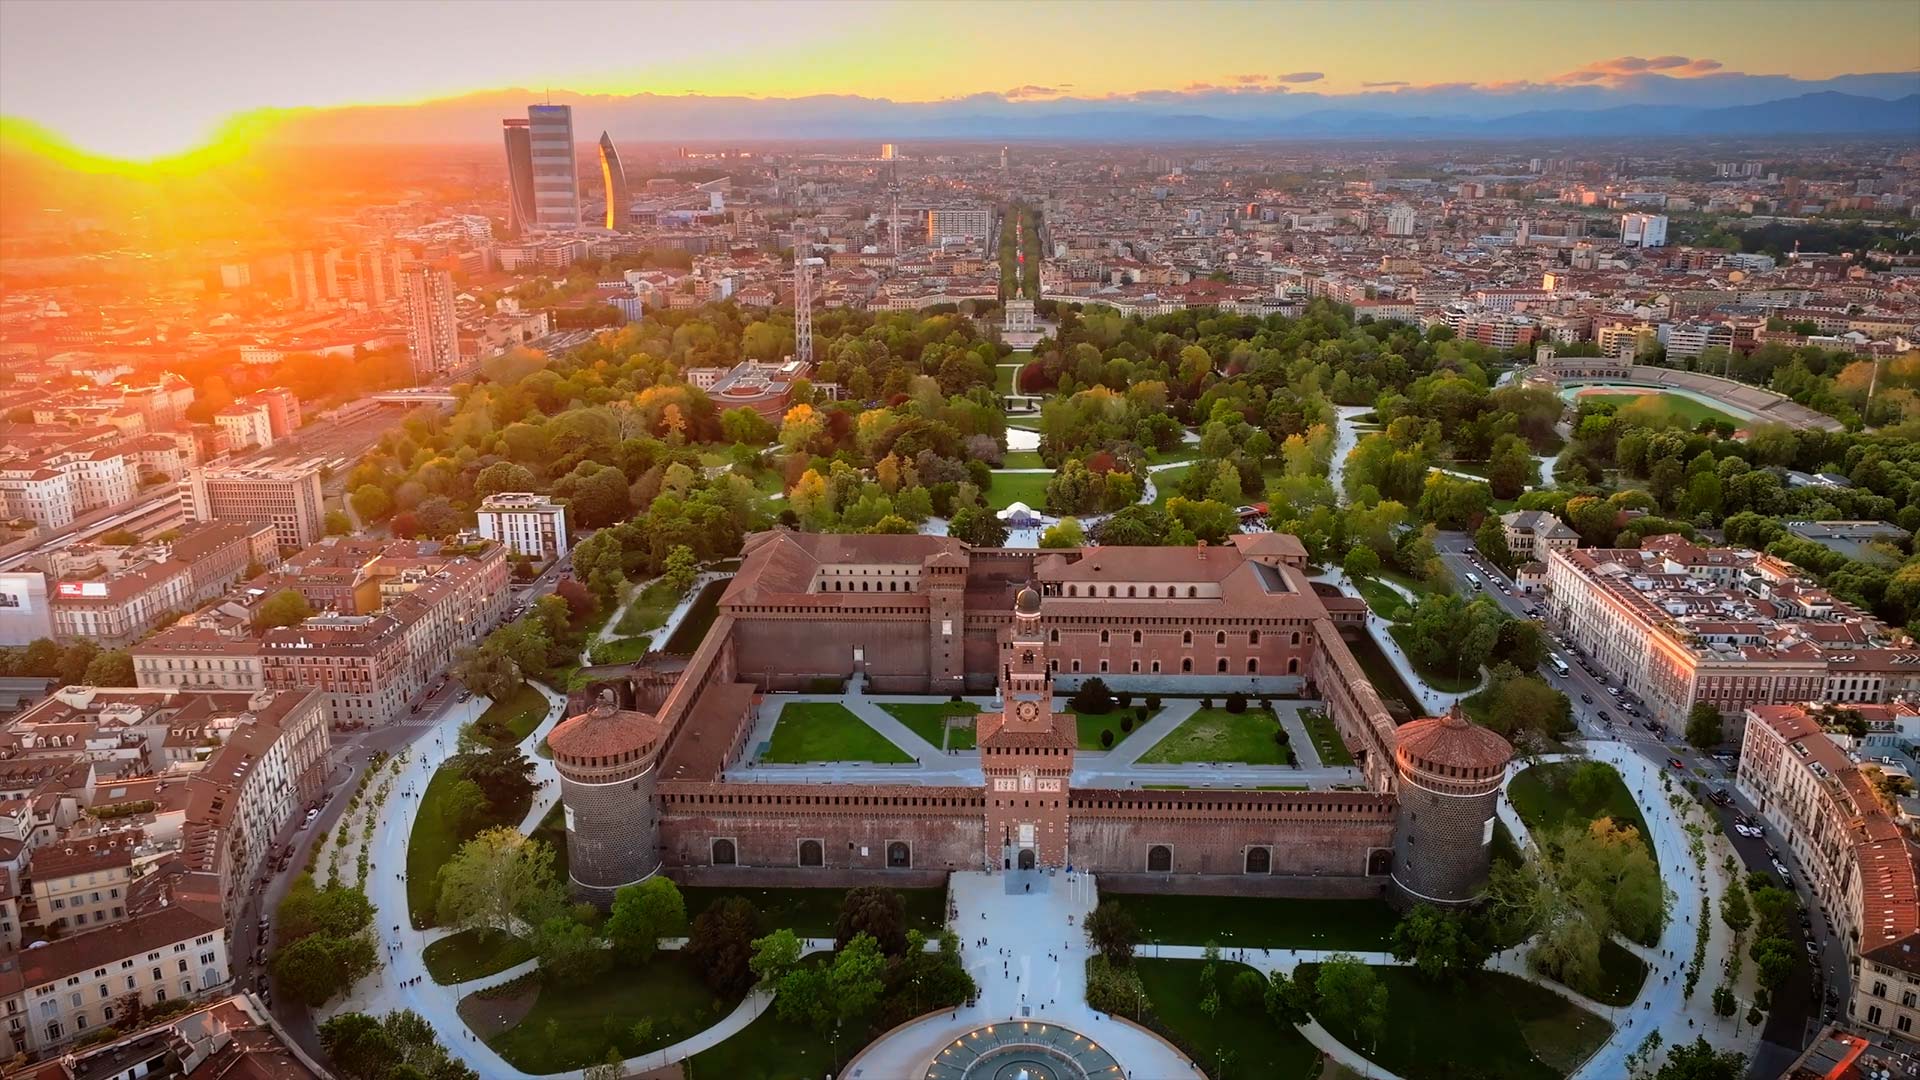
[280,62]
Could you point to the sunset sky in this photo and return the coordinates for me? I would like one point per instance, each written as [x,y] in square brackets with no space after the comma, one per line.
[150,78]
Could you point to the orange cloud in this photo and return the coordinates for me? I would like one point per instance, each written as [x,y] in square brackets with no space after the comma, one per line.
[1623,67]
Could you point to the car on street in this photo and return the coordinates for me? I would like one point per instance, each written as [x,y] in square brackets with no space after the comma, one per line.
[1588,698]
[1677,764]
[1781,869]
[1813,948]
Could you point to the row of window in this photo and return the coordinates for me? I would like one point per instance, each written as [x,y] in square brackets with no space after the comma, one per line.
[1186,666]
[726,852]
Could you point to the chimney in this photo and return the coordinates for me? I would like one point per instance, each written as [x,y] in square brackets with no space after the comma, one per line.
[1202,547]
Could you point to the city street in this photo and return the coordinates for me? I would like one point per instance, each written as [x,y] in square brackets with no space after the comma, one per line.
[1797,1011]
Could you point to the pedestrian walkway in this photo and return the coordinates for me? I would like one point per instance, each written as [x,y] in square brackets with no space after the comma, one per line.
[1434,701]
[1032,966]
[1172,714]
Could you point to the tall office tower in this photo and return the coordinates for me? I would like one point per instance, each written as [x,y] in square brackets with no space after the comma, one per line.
[1003,159]
[1643,230]
[379,273]
[802,300]
[519,136]
[614,179]
[433,338]
[303,279]
[556,188]
[886,151]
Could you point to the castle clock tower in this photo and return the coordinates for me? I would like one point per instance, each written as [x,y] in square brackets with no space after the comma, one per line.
[1026,752]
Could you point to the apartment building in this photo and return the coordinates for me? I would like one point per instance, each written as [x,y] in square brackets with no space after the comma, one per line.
[286,495]
[1824,807]
[371,660]
[1678,624]
[229,1037]
[245,426]
[528,524]
[1531,534]
[112,595]
[81,882]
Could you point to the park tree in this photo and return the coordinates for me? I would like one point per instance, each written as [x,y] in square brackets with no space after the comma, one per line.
[643,914]
[1286,1000]
[287,607]
[1734,908]
[1111,930]
[1491,540]
[774,956]
[1351,997]
[720,945]
[680,569]
[496,880]
[1698,1060]
[1065,533]
[504,773]
[502,476]
[1574,888]
[977,526]
[1439,945]
[879,913]
[568,950]
[317,968]
[1703,726]
[371,502]
[488,671]
[745,426]
[1361,562]
[111,668]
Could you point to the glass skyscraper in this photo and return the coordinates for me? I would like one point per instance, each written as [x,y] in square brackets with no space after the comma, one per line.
[556,189]
[520,212]
[614,179]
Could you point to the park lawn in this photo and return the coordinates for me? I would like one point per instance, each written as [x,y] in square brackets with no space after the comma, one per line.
[1253,1044]
[1219,735]
[1182,451]
[827,731]
[1089,725]
[770,1049]
[572,1025]
[1443,681]
[1326,737]
[649,610]
[621,650]
[1621,974]
[1412,584]
[928,719]
[434,840]
[1506,1027]
[1384,602]
[1023,459]
[812,912]
[1009,488]
[520,711]
[473,954]
[699,619]
[1166,482]
[1662,405]
[1259,922]
[1543,797]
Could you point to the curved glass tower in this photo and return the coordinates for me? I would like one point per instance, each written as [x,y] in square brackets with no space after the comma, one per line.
[614,180]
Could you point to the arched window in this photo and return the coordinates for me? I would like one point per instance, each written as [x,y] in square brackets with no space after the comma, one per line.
[1192,591]
[1073,590]
[1222,665]
[1053,636]
[1253,637]
[1220,637]
[1110,591]
[1259,860]
[1293,665]
[1159,859]
[723,853]
[1132,591]
[811,853]
[893,586]
[1153,591]
[1296,637]
[1186,637]
[1103,637]
[1186,665]
[899,855]
[1253,665]
[1136,637]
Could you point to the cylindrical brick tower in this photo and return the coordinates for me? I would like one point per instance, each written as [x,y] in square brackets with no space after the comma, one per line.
[606,758]
[1449,769]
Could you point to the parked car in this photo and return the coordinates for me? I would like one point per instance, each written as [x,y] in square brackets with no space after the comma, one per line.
[1781,869]
[1588,698]
[1813,948]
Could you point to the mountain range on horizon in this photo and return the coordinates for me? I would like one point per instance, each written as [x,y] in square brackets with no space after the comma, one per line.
[1879,104]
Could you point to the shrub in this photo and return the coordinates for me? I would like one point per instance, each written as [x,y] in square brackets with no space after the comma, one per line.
[1153,701]
[1114,990]
[1092,697]
[1123,699]
[1206,703]
[1140,713]
[1236,703]
[1106,738]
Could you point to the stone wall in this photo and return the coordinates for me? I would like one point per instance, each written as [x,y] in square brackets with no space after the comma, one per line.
[1303,834]
[1275,886]
[767,824]
[1440,853]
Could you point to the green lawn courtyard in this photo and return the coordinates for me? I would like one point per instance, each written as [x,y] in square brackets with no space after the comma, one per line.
[1505,1027]
[572,1024]
[827,731]
[1219,735]
[1088,726]
[770,1049]
[1662,405]
[434,840]
[473,954]
[1011,487]
[1546,796]
[1233,1042]
[931,720]
[520,712]
[1259,922]
[1022,459]
[1326,738]
[1165,481]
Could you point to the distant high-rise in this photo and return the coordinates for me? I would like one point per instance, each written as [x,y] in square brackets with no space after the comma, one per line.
[556,188]
[886,151]
[1643,230]
[433,337]
[519,136]
[614,179]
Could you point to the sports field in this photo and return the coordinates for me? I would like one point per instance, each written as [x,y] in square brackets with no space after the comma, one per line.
[1654,403]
